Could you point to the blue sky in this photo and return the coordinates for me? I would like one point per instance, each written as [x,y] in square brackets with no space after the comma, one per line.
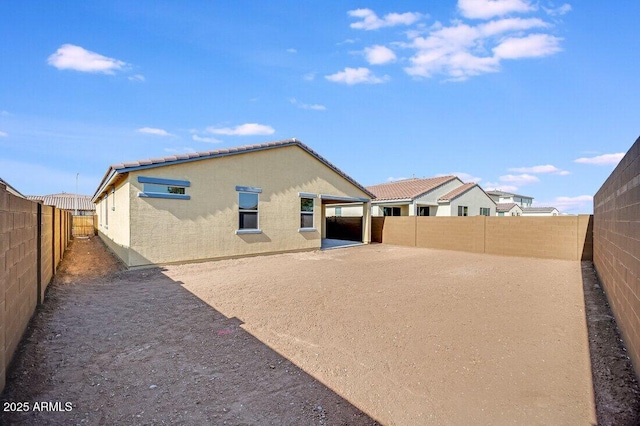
[534,97]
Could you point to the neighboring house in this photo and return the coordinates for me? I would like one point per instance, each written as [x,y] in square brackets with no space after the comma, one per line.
[437,196]
[11,189]
[234,202]
[540,211]
[466,200]
[508,209]
[501,197]
[65,201]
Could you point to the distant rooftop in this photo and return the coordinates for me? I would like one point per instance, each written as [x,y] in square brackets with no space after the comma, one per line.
[408,188]
[498,193]
[505,207]
[65,201]
[11,189]
[539,209]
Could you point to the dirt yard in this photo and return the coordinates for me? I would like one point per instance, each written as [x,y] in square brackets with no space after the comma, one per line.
[361,335]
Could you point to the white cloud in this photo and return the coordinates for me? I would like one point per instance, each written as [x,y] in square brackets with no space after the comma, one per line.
[347,41]
[601,160]
[309,76]
[205,139]
[291,50]
[518,180]
[247,129]
[352,76]
[579,203]
[3,134]
[531,46]
[558,11]
[378,55]
[461,51]
[136,77]
[4,113]
[371,21]
[547,168]
[491,186]
[153,131]
[315,107]
[486,9]
[71,57]
[393,179]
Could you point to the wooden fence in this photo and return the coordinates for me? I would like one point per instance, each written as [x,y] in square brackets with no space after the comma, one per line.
[84,226]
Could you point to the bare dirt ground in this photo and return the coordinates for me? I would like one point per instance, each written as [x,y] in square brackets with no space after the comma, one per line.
[352,336]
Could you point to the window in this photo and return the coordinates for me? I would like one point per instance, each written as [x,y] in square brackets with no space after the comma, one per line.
[338,211]
[500,213]
[306,213]
[463,211]
[423,211]
[485,211]
[391,211]
[164,188]
[106,210]
[113,193]
[248,211]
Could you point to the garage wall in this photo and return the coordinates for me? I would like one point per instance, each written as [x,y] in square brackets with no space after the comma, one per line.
[616,238]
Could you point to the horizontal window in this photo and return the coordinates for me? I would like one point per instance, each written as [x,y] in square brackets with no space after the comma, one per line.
[164,188]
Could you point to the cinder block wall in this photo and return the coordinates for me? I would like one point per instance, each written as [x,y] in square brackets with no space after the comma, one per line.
[616,246]
[559,237]
[18,271]
[23,261]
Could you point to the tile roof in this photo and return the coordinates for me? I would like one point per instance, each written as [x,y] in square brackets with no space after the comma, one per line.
[195,156]
[65,201]
[504,207]
[457,191]
[538,209]
[407,188]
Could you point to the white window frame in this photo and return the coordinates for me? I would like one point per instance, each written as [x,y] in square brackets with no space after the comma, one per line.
[464,210]
[252,191]
[306,213]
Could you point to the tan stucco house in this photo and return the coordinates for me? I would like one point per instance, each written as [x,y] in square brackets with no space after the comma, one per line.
[249,200]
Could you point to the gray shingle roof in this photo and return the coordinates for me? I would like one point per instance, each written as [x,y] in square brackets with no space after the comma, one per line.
[538,209]
[195,156]
[65,201]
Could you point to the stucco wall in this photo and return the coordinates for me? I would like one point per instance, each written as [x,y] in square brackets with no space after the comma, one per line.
[560,237]
[117,234]
[172,230]
[617,246]
[473,199]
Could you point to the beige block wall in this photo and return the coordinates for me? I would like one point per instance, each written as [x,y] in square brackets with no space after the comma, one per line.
[46,247]
[451,233]
[19,253]
[566,237]
[171,230]
[18,272]
[399,230]
[616,246]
